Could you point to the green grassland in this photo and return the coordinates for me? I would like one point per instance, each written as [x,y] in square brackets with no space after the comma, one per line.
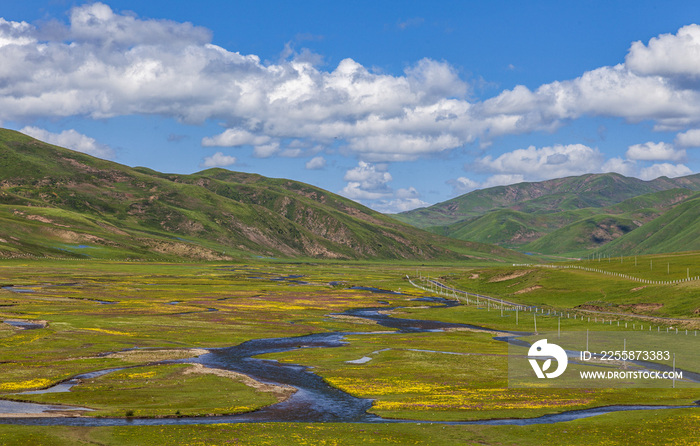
[95,309]
[461,376]
[559,287]
[157,391]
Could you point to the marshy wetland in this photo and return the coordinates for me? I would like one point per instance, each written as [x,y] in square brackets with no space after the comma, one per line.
[321,353]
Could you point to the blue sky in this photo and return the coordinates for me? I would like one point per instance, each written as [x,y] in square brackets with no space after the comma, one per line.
[396,104]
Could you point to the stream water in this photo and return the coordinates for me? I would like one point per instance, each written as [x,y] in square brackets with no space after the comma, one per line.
[315,400]
[27,325]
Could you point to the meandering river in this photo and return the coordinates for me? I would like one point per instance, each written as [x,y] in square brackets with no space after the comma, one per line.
[315,400]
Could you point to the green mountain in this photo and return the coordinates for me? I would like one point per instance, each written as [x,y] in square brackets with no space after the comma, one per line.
[563,194]
[57,202]
[506,227]
[676,230]
[564,216]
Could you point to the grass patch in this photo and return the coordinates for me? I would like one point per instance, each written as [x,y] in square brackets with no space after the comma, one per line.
[157,391]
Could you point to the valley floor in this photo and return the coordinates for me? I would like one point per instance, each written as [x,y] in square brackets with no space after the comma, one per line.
[152,322]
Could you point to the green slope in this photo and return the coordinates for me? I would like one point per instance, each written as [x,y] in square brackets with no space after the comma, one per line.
[676,230]
[55,201]
[565,216]
[566,232]
[659,201]
[583,235]
[511,228]
[610,224]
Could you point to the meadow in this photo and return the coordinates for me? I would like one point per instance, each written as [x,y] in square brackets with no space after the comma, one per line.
[99,315]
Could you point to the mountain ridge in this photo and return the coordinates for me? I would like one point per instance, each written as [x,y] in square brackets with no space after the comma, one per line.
[568,216]
[58,202]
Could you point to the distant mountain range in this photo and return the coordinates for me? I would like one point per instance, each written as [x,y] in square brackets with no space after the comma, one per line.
[58,202]
[574,216]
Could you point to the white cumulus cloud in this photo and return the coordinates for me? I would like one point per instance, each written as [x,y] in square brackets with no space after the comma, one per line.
[664,169]
[691,138]
[316,163]
[621,166]
[266,150]
[70,139]
[462,185]
[369,184]
[235,137]
[668,54]
[535,164]
[652,151]
[502,180]
[218,160]
[103,64]
[16,33]
[399,205]
[546,163]
[369,176]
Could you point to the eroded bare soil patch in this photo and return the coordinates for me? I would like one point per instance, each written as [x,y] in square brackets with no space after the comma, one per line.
[281,392]
[513,275]
[528,289]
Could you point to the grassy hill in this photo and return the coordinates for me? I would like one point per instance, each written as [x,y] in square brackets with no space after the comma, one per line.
[603,229]
[510,228]
[568,216]
[57,202]
[676,230]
